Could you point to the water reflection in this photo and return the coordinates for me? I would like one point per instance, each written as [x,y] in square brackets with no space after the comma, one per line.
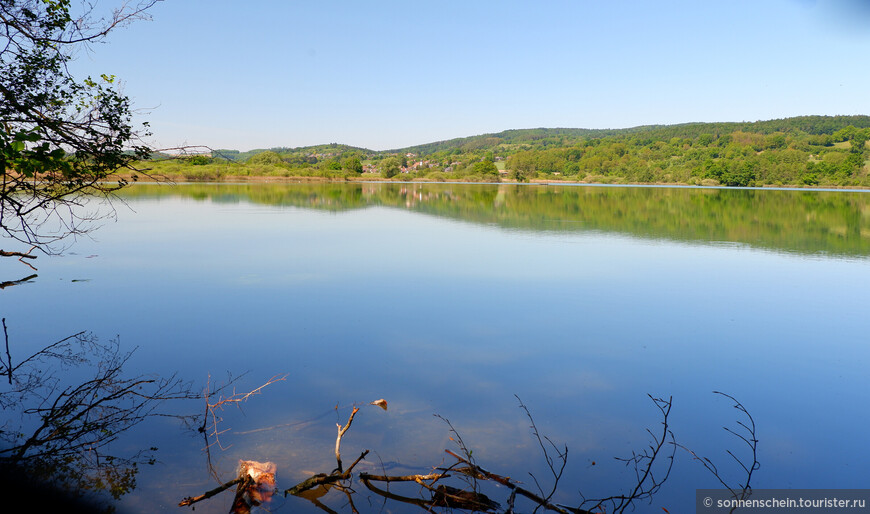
[449,299]
[10,283]
[63,407]
[807,222]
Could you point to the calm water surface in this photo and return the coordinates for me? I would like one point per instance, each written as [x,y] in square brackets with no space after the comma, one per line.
[451,299]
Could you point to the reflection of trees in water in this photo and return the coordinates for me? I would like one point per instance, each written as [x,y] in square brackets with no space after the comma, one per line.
[809,222]
[63,407]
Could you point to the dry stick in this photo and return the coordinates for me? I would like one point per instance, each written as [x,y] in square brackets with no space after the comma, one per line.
[241,505]
[8,355]
[513,487]
[341,431]
[403,478]
[441,494]
[321,479]
[190,501]
[349,493]
[426,504]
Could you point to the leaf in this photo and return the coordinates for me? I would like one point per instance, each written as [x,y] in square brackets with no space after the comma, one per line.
[380,403]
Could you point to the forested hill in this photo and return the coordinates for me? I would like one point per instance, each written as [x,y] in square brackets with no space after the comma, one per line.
[805,150]
[810,125]
[332,148]
[549,137]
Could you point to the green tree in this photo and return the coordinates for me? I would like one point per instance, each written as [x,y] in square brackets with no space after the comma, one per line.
[268,157]
[390,167]
[859,141]
[60,137]
[353,164]
[705,139]
[199,160]
[485,168]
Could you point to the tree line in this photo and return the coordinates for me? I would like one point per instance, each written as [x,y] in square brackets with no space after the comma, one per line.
[798,151]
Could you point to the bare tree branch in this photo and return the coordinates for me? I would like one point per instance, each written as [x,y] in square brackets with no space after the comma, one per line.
[63,431]
[211,421]
[561,455]
[738,491]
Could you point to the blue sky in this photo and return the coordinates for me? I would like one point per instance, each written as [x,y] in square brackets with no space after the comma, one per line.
[389,74]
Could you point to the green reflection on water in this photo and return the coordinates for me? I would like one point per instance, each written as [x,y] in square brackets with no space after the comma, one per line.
[835,223]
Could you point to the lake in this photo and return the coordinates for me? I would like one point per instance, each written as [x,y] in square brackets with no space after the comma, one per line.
[449,300]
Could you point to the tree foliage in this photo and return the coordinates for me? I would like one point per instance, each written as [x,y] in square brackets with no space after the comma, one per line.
[61,137]
[807,150]
[267,157]
[485,168]
[353,164]
[390,167]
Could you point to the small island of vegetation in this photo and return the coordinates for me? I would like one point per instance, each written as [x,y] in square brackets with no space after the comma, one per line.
[826,151]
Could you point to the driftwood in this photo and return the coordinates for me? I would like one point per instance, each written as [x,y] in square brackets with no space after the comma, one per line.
[322,479]
[477,471]
[395,497]
[190,500]
[403,478]
[442,495]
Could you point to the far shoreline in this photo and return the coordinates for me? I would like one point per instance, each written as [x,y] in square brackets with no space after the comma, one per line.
[270,179]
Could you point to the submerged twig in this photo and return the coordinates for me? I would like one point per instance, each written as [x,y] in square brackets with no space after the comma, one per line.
[204,496]
[322,479]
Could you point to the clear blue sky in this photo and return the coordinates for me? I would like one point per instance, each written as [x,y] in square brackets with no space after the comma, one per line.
[389,74]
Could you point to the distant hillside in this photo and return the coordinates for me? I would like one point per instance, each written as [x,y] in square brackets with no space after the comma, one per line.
[802,151]
[812,125]
[549,137]
[326,149]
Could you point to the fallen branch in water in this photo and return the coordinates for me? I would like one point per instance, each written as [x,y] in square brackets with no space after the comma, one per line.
[321,479]
[214,492]
[432,491]
[442,496]
[515,489]
[403,478]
